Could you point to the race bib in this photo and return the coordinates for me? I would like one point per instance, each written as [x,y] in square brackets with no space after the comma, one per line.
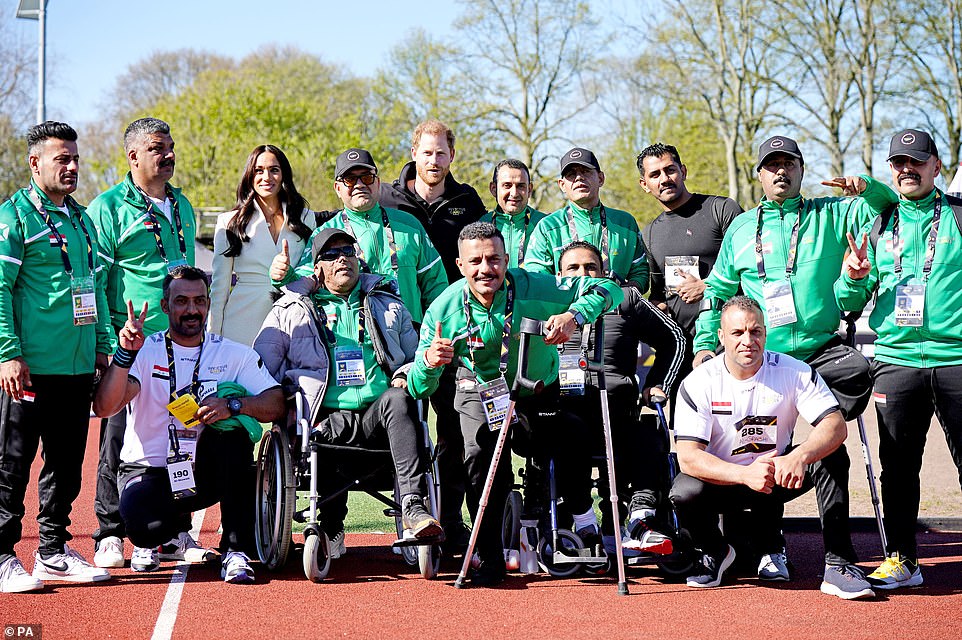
[84,300]
[571,377]
[180,471]
[349,366]
[779,303]
[909,305]
[675,269]
[756,434]
[495,399]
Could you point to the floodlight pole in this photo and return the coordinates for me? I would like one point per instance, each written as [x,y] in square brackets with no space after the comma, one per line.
[37,10]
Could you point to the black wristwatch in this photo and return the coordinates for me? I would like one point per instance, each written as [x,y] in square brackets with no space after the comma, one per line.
[235,405]
[578,317]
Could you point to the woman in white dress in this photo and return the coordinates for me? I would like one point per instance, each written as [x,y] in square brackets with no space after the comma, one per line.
[269,211]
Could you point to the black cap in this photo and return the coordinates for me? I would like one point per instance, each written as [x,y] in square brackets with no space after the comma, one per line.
[913,143]
[580,156]
[324,237]
[777,144]
[353,158]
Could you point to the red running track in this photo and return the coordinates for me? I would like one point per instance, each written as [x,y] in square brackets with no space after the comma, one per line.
[372,594]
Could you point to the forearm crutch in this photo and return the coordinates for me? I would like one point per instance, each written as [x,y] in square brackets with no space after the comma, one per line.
[528,328]
[866,455]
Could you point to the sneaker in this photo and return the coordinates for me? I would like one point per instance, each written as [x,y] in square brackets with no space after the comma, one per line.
[489,574]
[846,581]
[590,537]
[110,553]
[184,548]
[711,570]
[629,547]
[456,538]
[642,530]
[236,568]
[69,566]
[15,579]
[774,567]
[416,518]
[336,546]
[143,560]
[896,572]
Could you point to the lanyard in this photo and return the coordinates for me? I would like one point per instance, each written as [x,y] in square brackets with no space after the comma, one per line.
[573,232]
[524,231]
[155,225]
[172,367]
[71,205]
[328,336]
[506,331]
[792,246]
[388,233]
[930,245]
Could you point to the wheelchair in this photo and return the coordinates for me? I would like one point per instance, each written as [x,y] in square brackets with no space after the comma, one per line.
[288,461]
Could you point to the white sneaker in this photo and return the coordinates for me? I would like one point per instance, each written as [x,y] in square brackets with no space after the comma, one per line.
[236,568]
[144,560]
[774,567]
[69,566]
[337,547]
[184,548]
[110,553]
[15,579]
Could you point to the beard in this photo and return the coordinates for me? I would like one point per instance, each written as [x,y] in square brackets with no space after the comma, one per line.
[432,179]
[180,326]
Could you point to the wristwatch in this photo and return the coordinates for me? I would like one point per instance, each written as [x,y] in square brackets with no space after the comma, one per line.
[235,405]
[578,317]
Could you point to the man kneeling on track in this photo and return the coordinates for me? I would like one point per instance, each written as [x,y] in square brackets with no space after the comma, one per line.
[476,322]
[733,430]
[639,450]
[353,327]
[195,402]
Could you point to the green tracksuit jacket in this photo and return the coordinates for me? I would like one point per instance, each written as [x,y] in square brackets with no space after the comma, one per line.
[135,269]
[537,296]
[517,231]
[420,274]
[822,243]
[36,304]
[938,342]
[629,261]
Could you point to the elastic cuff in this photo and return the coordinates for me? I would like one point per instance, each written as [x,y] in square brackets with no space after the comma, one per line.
[124,358]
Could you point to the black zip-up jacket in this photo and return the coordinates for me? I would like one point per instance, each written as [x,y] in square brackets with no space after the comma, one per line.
[443,219]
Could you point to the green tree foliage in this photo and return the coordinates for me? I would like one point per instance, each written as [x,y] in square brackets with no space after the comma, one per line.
[17,91]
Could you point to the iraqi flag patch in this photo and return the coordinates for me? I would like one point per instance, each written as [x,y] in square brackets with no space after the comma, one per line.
[29,396]
[53,241]
[474,342]
[160,372]
[721,408]
[878,397]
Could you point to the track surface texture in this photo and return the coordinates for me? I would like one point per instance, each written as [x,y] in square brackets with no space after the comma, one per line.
[371,593]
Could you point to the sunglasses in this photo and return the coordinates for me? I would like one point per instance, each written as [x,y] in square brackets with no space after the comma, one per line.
[366,178]
[330,255]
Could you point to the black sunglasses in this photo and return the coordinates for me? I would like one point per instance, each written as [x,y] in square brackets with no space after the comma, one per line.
[330,255]
[366,178]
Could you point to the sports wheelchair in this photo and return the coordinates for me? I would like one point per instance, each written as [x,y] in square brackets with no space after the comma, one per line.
[288,461]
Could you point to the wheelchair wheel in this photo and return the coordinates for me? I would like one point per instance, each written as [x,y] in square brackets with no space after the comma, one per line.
[567,540]
[317,556]
[429,560]
[275,499]
[511,522]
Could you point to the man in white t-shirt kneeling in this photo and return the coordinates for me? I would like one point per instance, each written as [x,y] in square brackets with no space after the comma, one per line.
[195,400]
[734,424]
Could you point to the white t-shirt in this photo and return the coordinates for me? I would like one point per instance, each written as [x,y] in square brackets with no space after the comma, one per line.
[164,206]
[223,360]
[740,420]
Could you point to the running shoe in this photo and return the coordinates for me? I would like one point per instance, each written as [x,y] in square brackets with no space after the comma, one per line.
[15,579]
[896,572]
[711,570]
[774,567]
[184,548]
[110,553]
[236,568]
[143,559]
[846,581]
[69,566]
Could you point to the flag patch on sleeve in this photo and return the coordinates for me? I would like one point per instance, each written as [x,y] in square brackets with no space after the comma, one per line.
[721,408]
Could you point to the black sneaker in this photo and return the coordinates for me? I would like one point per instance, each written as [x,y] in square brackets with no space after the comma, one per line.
[456,538]
[416,518]
[490,573]
[711,570]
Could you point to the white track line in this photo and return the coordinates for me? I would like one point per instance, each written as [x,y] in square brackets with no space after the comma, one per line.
[164,627]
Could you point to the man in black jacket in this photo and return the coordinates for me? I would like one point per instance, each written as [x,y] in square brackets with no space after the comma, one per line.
[427,190]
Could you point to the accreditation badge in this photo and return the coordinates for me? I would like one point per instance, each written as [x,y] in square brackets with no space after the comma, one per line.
[571,375]
[909,304]
[84,300]
[495,398]
[349,367]
[779,303]
[173,264]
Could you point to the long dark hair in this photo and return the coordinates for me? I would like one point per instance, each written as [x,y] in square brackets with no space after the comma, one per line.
[237,227]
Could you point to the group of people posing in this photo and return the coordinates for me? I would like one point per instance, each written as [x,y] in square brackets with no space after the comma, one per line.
[413,291]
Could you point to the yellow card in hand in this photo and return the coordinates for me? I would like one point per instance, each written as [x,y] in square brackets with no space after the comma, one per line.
[184,408]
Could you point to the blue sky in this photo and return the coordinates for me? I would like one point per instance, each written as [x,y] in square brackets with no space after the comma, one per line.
[91,42]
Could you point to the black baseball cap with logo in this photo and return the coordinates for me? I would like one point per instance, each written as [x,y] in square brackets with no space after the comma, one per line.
[351,159]
[777,144]
[579,156]
[324,237]
[913,143]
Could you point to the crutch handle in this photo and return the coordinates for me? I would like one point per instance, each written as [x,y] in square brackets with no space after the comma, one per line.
[658,399]
[529,327]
